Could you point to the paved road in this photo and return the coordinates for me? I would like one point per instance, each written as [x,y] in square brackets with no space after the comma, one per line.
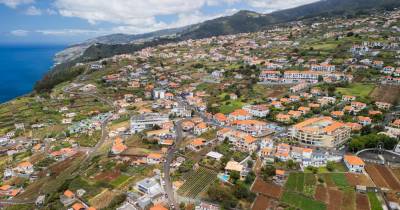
[167,166]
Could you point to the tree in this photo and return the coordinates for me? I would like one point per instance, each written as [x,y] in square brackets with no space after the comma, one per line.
[234,176]
[250,177]
[268,171]
[330,165]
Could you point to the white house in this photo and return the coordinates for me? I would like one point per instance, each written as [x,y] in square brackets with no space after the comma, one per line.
[354,163]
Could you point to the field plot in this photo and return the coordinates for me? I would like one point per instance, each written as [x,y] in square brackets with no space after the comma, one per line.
[389,177]
[301,183]
[321,194]
[386,93]
[302,202]
[358,179]
[335,199]
[383,176]
[362,202]
[261,202]
[375,204]
[267,189]
[349,200]
[197,182]
[339,179]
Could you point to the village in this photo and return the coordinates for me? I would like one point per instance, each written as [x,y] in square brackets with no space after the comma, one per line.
[303,115]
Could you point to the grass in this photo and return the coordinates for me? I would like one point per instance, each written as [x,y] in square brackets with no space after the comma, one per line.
[340,180]
[120,180]
[303,183]
[302,202]
[357,89]
[230,106]
[374,201]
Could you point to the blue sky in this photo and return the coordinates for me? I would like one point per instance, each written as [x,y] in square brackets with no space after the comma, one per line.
[73,21]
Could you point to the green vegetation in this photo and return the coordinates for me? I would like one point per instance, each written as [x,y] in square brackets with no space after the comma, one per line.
[197,182]
[302,202]
[357,89]
[358,143]
[230,106]
[340,180]
[120,180]
[374,201]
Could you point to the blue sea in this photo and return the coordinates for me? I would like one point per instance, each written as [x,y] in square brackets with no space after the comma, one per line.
[21,66]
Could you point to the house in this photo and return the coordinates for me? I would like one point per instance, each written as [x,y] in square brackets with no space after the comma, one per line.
[283,118]
[240,140]
[154,158]
[388,70]
[78,206]
[215,155]
[365,121]
[220,118]
[295,114]
[354,126]
[283,152]
[348,98]
[383,105]
[149,186]
[277,104]
[257,110]
[118,146]
[239,114]
[235,166]
[304,110]
[337,114]
[197,144]
[158,207]
[200,128]
[206,206]
[187,125]
[354,163]
[252,127]
[358,106]
[67,198]
[25,168]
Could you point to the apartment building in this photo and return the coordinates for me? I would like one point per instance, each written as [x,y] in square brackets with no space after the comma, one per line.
[147,121]
[321,132]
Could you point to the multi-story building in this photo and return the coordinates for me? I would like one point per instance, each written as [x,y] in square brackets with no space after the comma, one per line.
[321,132]
[147,121]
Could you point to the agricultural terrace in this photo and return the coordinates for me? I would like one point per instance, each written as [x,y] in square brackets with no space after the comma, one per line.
[326,191]
[197,182]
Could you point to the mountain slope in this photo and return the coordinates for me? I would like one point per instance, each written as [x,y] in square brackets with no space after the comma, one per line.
[243,21]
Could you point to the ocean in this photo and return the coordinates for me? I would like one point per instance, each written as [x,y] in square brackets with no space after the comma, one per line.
[21,66]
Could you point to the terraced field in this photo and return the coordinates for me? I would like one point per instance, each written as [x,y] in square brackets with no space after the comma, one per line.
[197,182]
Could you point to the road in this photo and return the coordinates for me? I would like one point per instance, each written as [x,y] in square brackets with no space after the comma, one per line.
[104,132]
[167,166]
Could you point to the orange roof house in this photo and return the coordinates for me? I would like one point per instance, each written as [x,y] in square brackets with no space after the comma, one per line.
[353,160]
[69,194]
[158,207]
[78,206]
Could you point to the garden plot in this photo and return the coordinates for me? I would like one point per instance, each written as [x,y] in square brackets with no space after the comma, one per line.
[197,182]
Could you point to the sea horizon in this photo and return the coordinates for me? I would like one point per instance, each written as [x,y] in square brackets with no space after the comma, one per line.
[22,65]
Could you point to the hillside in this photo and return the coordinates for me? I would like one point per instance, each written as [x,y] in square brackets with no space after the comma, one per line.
[243,21]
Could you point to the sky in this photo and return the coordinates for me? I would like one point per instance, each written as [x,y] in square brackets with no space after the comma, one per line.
[74,21]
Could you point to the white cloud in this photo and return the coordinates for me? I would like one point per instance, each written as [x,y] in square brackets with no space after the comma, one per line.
[69,32]
[273,5]
[140,15]
[19,32]
[15,3]
[32,10]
